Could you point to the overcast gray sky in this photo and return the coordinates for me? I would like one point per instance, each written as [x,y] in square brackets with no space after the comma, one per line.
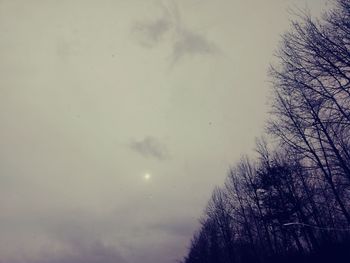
[118,118]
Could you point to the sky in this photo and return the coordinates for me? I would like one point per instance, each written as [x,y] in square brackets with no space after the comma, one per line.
[119,117]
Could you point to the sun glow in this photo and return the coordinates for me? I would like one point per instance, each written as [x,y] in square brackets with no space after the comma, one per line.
[147,176]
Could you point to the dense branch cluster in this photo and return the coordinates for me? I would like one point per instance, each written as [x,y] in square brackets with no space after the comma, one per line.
[292,202]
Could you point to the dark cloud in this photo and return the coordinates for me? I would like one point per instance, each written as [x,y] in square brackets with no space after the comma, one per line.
[150,147]
[184,41]
[192,43]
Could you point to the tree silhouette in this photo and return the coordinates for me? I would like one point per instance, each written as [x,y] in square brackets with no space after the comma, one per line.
[293,201]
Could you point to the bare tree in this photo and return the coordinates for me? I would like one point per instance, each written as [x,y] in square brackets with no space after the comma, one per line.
[312,98]
[293,201]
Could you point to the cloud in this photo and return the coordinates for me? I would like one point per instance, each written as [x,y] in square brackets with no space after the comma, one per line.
[72,237]
[151,32]
[80,252]
[192,43]
[150,147]
[183,40]
[174,228]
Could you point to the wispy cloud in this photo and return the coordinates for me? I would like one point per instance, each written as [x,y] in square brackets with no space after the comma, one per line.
[150,147]
[151,32]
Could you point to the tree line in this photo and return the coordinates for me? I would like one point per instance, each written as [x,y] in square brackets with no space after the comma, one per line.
[292,201]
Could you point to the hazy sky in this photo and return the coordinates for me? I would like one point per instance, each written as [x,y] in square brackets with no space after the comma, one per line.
[118,118]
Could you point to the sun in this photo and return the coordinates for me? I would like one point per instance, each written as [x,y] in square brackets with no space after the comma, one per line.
[147,176]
